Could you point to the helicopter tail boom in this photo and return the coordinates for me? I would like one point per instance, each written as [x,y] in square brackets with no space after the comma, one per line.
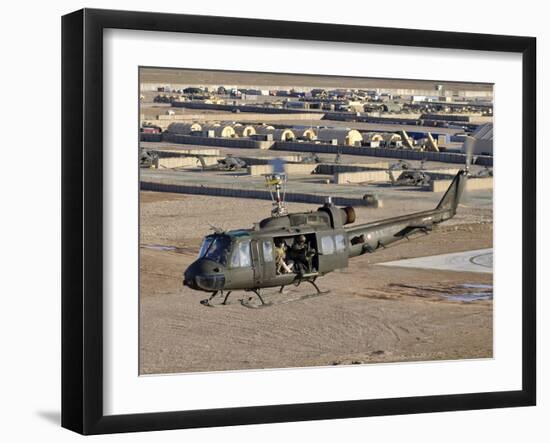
[371,236]
[452,196]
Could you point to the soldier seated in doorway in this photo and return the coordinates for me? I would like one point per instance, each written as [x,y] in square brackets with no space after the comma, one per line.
[280,256]
[302,254]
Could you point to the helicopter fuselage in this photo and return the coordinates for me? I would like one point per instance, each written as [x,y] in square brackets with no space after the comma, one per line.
[246,259]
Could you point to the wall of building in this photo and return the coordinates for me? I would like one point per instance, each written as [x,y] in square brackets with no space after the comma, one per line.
[290,169]
[474,184]
[253,193]
[342,178]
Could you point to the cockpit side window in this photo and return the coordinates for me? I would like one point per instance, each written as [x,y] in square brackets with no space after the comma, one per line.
[241,255]
[205,245]
[215,248]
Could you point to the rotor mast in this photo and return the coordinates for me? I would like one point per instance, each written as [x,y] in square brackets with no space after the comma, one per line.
[276,183]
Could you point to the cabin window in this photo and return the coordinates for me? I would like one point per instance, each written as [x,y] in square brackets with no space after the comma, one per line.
[267,250]
[241,255]
[298,219]
[340,242]
[327,244]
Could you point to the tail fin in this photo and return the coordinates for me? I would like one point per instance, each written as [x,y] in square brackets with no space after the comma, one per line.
[452,196]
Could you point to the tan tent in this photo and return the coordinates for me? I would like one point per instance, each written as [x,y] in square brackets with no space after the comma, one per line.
[184,128]
[306,134]
[283,135]
[392,139]
[225,131]
[344,136]
[264,129]
[373,137]
[244,131]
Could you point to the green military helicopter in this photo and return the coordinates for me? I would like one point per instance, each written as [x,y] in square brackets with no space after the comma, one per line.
[296,248]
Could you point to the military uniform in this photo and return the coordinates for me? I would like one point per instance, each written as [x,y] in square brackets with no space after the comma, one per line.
[301,254]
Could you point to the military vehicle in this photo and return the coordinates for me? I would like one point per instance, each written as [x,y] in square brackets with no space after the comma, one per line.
[290,249]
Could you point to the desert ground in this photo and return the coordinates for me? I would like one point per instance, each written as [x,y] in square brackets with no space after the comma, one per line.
[372,313]
[201,77]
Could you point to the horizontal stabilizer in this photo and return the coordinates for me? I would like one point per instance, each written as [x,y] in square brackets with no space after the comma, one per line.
[413,228]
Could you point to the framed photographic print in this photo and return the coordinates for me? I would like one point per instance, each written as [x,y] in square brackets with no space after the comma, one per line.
[273,221]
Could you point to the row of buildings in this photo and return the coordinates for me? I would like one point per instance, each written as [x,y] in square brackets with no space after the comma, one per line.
[323,135]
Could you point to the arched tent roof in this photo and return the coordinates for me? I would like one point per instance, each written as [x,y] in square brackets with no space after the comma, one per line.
[220,130]
[264,129]
[306,134]
[373,137]
[344,136]
[244,131]
[391,137]
[184,128]
[283,135]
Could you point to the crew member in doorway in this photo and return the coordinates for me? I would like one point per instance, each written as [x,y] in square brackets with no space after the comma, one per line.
[301,254]
[280,257]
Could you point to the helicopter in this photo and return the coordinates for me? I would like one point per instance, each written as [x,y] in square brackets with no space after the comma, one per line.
[409,176]
[229,163]
[295,248]
[148,159]
[486,172]
[313,157]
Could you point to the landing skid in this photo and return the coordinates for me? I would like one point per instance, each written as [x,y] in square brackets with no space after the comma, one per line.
[249,304]
[261,302]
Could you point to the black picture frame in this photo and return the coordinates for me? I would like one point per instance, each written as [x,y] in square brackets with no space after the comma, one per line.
[82,218]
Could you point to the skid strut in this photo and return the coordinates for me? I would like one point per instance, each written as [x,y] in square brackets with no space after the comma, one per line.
[226,297]
[257,292]
[315,286]
[206,301]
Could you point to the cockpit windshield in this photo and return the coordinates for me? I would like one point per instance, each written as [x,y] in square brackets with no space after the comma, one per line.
[215,248]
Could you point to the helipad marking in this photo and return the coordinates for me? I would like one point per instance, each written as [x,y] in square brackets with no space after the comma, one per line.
[479,260]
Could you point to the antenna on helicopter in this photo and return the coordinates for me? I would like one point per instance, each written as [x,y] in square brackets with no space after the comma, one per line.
[216,229]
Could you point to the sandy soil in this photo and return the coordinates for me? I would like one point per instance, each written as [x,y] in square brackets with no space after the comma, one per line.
[253,79]
[372,313]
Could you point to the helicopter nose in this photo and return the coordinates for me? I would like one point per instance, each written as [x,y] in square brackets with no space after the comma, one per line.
[204,275]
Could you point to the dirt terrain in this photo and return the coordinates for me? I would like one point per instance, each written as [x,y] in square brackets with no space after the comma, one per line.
[372,314]
[243,78]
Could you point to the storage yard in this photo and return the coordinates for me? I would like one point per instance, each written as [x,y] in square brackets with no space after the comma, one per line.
[385,147]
